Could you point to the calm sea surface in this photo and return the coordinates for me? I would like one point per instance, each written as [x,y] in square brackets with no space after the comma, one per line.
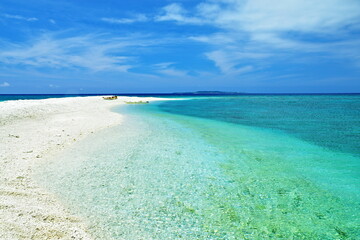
[241,167]
[8,97]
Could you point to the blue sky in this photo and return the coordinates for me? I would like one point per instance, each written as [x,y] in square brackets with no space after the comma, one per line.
[87,46]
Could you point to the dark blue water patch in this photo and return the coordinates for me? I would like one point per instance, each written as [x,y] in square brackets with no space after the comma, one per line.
[8,97]
[331,121]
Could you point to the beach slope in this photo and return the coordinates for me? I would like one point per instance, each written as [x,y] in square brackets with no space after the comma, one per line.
[33,130]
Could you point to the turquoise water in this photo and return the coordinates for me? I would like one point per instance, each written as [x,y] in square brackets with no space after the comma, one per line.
[331,121]
[247,167]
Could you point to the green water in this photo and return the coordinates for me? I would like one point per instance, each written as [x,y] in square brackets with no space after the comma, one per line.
[162,175]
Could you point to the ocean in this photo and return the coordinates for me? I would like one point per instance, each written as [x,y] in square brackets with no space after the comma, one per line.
[225,167]
[9,97]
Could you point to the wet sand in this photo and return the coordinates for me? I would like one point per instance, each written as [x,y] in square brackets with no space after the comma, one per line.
[34,130]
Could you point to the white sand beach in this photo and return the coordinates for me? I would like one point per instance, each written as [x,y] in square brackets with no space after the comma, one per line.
[33,130]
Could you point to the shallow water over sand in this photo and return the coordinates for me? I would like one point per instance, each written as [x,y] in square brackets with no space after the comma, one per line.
[169,176]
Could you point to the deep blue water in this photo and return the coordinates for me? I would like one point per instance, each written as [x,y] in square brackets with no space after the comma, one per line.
[7,97]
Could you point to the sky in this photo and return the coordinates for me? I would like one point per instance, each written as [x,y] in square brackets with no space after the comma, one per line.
[158,46]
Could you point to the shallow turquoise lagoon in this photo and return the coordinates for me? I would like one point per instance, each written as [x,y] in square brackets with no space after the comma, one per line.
[247,167]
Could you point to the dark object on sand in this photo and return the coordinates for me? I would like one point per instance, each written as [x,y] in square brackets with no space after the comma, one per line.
[110,98]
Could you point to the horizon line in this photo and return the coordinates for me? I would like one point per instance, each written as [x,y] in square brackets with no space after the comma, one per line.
[187,93]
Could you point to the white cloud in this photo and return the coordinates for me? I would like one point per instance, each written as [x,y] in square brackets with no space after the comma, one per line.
[259,15]
[52,21]
[221,60]
[4,84]
[92,52]
[166,68]
[53,86]
[296,15]
[175,12]
[18,17]
[260,29]
[163,65]
[227,62]
[173,72]
[137,18]
[217,38]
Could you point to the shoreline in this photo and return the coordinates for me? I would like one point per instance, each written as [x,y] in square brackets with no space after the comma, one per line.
[34,130]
